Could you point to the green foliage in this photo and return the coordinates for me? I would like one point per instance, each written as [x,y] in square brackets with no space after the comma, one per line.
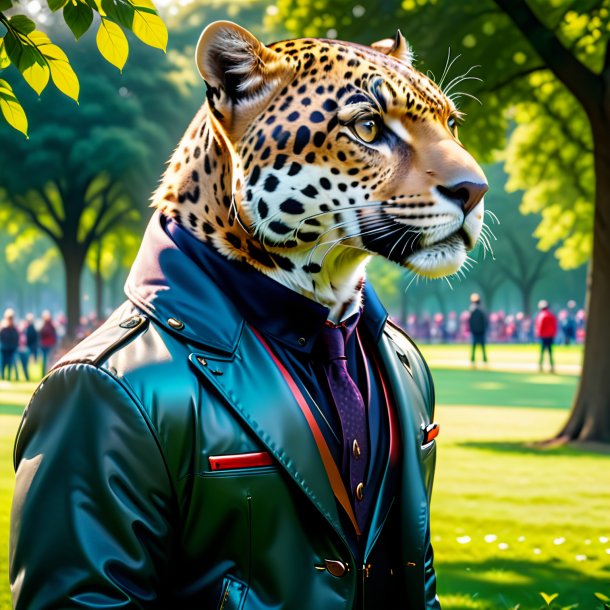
[550,154]
[37,58]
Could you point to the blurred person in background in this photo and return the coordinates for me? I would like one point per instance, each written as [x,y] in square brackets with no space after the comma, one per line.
[568,325]
[23,353]
[477,323]
[452,326]
[48,338]
[31,336]
[546,329]
[9,342]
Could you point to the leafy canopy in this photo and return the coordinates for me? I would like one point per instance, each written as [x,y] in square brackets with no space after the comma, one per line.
[39,60]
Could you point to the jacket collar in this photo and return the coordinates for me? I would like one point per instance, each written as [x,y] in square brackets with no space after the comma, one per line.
[170,286]
[177,277]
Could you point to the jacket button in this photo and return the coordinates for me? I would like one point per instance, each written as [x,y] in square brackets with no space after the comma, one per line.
[130,322]
[335,567]
[302,341]
[175,324]
[360,492]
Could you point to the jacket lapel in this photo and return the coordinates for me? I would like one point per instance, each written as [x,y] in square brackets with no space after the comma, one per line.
[254,386]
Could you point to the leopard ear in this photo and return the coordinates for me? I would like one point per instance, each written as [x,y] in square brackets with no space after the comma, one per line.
[233,61]
[396,47]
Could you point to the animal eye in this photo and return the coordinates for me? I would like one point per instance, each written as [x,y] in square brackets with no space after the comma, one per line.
[452,124]
[366,129]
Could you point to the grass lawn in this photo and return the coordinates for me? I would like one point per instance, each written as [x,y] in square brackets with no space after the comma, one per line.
[509,520]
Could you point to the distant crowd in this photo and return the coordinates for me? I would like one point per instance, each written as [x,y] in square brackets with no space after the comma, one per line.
[27,341]
[501,327]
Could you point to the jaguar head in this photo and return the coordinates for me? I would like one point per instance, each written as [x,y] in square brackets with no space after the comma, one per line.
[321,153]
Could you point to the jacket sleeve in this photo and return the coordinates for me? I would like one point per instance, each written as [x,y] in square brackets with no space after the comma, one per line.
[90,522]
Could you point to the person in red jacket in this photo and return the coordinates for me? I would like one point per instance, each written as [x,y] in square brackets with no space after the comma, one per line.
[546,329]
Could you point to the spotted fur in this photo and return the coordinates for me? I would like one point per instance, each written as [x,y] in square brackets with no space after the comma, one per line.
[276,170]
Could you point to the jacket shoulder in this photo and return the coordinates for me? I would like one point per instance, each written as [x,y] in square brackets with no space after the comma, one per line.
[124,325]
[413,360]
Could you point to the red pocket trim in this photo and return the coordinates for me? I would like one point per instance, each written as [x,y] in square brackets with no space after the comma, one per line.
[240,460]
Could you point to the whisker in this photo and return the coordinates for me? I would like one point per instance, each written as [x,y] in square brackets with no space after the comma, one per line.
[366,206]
[455,96]
[493,216]
[448,67]
[344,238]
[462,77]
[337,241]
[406,232]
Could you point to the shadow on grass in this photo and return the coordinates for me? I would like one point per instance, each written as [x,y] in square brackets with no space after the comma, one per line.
[572,450]
[501,584]
[506,389]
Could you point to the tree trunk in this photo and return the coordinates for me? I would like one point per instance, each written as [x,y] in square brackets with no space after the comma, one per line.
[73,261]
[526,296]
[590,416]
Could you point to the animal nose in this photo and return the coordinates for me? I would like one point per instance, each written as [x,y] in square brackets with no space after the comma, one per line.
[464,194]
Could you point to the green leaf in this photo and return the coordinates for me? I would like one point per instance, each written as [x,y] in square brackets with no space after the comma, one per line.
[64,77]
[21,23]
[26,57]
[149,27]
[36,74]
[78,17]
[602,597]
[4,58]
[11,109]
[55,5]
[112,43]
[549,598]
[5,5]
[120,11]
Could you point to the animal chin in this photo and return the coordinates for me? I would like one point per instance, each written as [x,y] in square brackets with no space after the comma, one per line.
[440,259]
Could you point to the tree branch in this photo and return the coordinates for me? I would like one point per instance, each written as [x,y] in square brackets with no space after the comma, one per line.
[112,223]
[18,203]
[50,207]
[585,85]
[108,200]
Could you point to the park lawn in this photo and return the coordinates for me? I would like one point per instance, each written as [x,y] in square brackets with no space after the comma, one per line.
[510,520]
[510,353]
[500,388]
[549,507]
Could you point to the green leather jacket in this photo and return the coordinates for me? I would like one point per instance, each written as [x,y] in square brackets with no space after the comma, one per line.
[116,505]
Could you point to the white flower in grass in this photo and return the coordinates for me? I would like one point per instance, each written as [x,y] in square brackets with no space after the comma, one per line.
[537,551]
[503,546]
[463,539]
[603,539]
[587,541]
[581,558]
[607,551]
[559,541]
[521,539]
[490,538]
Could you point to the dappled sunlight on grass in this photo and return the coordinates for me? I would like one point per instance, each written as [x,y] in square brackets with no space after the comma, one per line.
[510,519]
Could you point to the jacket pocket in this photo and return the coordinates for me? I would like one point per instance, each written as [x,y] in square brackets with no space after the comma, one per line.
[233,595]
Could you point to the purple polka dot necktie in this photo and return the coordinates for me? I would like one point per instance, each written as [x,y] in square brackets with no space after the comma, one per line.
[352,413]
